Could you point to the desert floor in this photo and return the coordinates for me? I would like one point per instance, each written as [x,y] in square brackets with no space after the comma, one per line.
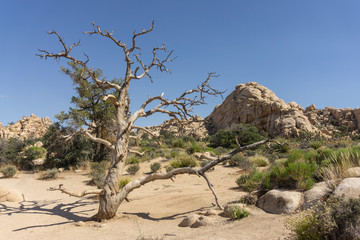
[154,212]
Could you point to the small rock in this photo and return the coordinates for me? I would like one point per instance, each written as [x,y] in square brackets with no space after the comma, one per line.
[203,221]
[78,171]
[60,169]
[80,224]
[211,212]
[189,220]
[319,192]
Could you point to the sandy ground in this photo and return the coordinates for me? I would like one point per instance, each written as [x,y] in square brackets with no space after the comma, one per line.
[154,212]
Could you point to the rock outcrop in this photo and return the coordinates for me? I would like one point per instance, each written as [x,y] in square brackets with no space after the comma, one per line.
[254,104]
[26,128]
[194,127]
[280,201]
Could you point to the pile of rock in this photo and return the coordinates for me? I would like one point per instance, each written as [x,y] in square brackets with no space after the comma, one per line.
[194,127]
[26,128]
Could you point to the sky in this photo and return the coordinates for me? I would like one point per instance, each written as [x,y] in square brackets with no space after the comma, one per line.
[305,51]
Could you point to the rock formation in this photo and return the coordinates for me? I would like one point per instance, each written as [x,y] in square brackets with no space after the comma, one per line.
[254,104]
[194,127]
[26,128]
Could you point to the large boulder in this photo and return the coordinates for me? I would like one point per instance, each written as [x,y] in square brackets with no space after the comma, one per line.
[320,191]
[254,104]
[280,201]
[348,188]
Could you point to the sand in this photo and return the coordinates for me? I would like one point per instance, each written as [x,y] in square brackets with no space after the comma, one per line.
[154,212]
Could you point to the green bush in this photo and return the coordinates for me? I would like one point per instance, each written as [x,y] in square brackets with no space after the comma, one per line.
[222,138]
[184,161]
[133,169]
[9,171]
[194,148]
[169,168]
[178,143]
[98,173]
[251,181]
[293,175]
[34,152]
[11,151]
[132,160]
[50,174]
[155,167]
[336,219]
[316,144]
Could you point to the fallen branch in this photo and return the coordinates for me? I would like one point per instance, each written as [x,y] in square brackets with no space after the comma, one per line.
[79,195]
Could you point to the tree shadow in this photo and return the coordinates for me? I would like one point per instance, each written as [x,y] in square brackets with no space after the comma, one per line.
[171,217]
[67,211]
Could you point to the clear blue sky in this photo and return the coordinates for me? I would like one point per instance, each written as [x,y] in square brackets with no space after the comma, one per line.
[305,51]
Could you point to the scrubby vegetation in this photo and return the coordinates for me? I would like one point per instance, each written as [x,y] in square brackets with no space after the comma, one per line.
[335,219]
[9,171]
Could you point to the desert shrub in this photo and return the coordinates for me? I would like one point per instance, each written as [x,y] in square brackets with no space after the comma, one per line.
[133,169]
[98,173]
[204,162]
[49,174]
[295,155]
[336,219]
[184,161]
[62,153]
[166,134]
[292,175]
[188,139]
[178,143]
[11,151]
[169,168]
[221,150]
[222,138]
[244,133]
[9,171]
[211,150]
[132,160]
[248,199]
[259,160]
[283,147]
[316,144]
[34,152]
[252,181]
[194,148]
[123,182]
[155,167]
[239,159]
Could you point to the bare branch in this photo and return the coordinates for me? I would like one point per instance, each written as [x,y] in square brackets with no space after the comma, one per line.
[112,99]
[65,54]
[136,152]
[183,104]
[91,137]
[79,195]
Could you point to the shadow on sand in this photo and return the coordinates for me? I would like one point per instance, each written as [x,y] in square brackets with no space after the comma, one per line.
[67,211]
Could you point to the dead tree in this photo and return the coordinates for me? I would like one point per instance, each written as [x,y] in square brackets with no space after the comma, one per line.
[111,196]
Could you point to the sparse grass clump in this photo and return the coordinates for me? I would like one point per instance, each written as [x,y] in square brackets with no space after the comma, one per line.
[259,160]
[238,212]
[194,148]
[123,182]
[50,174]
[9,171]
[251,181]
[155,167]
